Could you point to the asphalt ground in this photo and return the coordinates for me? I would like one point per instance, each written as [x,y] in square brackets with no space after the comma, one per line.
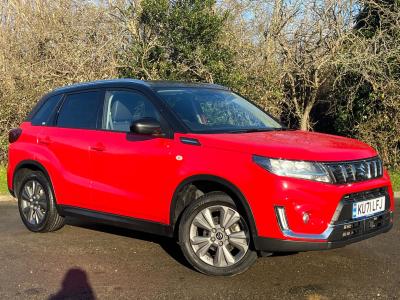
[92,261]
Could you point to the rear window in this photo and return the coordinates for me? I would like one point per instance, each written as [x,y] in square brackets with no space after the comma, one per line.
[43,115]
[80,110]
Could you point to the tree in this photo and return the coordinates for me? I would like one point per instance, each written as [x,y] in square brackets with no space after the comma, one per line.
[375,15]
[176,40]
[305,37]
[45,44]
[368,79]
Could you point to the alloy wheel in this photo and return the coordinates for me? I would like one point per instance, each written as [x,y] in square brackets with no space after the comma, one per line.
[33,202]
[219,236]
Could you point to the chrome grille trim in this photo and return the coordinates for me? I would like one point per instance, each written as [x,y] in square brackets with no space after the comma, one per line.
[354,171]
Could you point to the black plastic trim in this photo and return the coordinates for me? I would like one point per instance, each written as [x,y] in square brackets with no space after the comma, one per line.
[11,192]
[117,220]
[277,245]
[219,180]
[348,200]
[25,164]
[190,141]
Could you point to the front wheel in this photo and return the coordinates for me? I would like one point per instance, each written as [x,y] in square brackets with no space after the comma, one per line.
[215,237]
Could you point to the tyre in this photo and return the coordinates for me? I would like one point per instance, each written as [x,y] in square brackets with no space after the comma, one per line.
[215,237]
[36,203]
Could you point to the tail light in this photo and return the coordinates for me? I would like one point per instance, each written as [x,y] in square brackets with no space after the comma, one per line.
[14,134]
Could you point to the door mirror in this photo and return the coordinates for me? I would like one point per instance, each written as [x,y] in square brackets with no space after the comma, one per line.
[147,126]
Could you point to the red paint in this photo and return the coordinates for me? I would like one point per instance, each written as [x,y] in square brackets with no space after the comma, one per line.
[136,176]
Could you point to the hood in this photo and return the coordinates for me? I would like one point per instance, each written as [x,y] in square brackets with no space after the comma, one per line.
[295,145]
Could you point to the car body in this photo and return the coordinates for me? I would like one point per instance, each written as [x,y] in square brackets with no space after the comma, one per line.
[146,181]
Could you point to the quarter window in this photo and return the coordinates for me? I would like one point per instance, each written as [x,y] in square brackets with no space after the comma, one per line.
[121,108]
[80,110]
[45,112]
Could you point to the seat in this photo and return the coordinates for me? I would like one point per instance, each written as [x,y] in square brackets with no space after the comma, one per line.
[121,116]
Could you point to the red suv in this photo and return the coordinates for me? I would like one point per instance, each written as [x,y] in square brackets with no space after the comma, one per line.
[196,162]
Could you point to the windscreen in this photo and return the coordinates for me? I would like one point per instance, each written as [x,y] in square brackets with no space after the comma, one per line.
[211,110]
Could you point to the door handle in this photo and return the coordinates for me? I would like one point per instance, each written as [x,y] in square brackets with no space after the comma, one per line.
[98,147]
[44,140]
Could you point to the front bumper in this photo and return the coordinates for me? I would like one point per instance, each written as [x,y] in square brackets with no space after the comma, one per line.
[320,201]
[277,245]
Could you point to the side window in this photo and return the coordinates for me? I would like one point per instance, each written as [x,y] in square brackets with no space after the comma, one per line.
[43,115]
[80,110]
[121,108]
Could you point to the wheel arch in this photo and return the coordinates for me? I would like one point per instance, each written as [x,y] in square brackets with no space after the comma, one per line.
[178,202]
[30,165]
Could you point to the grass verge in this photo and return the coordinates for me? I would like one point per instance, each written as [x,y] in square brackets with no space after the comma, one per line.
[3,180]
[395,177]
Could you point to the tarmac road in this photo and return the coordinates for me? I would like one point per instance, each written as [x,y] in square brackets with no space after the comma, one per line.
[86,261]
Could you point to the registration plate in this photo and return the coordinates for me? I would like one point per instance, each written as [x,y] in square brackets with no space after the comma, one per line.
[368,207]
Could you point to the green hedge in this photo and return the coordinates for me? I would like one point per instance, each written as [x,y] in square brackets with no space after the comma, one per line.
[395,177]
[3,180]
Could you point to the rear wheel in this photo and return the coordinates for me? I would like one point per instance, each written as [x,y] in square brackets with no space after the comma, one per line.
[36,203]
[215,237]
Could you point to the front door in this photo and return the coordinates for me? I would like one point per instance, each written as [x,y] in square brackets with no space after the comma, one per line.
[129,172]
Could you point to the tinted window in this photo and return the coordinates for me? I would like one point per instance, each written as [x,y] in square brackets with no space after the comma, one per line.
[43,115]
[121,108]
[80,110]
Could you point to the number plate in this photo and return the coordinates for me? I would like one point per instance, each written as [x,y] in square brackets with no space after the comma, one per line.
[368,207]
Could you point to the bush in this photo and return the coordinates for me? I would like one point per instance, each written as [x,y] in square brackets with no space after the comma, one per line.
[46,44]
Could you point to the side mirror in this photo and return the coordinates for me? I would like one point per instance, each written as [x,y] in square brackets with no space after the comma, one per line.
[146,126]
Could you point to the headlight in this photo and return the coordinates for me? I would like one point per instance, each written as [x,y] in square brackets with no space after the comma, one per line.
[294,168]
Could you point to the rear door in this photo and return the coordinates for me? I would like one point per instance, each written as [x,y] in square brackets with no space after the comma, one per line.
[130,172]
[69,141]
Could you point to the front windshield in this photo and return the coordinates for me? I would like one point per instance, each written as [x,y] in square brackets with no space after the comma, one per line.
[210,110]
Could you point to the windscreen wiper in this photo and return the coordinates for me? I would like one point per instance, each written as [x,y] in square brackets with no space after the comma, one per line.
[259,130]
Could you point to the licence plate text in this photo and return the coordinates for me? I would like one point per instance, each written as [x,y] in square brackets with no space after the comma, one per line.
[368,207]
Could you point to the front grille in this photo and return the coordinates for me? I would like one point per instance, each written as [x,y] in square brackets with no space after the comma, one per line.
[355,171]
[346,213]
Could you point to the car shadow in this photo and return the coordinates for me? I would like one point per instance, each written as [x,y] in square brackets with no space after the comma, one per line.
[167,244]
[277,254]
[75,285]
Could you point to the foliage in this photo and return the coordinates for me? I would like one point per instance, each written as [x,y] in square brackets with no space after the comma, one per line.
[328,65]
[176,40]
[375,15]
[368,80]
[395,177]
[3,180]
[45,44]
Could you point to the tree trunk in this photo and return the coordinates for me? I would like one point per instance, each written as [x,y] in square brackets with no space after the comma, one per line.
[305,118]
[304,122]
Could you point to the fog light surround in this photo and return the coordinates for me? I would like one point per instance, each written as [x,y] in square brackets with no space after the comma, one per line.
[284,225]
[282,218]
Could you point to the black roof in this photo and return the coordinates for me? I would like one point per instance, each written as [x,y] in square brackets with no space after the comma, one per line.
[152,84]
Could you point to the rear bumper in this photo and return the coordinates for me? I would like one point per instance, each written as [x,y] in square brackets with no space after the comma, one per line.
[336,239]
